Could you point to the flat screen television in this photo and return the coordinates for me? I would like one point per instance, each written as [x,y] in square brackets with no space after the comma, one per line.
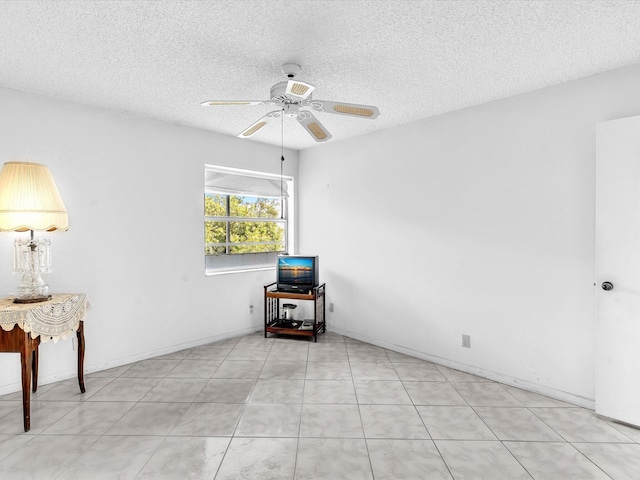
[297,273]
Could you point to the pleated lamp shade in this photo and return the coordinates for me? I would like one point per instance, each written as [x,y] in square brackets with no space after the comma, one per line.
[29,199]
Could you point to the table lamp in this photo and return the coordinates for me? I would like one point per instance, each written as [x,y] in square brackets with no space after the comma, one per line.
[29,200]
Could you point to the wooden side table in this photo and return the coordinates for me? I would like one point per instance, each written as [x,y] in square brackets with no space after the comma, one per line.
[24,326]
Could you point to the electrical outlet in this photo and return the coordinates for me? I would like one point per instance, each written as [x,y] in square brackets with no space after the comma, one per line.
[331,307]
[250,309]
[466,341]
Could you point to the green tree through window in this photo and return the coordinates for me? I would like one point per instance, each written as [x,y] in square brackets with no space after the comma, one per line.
[236,224]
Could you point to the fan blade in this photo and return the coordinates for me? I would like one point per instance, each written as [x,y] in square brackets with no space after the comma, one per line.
[351,109]
[221,103]
[298,89]
[313,126]
[253,129]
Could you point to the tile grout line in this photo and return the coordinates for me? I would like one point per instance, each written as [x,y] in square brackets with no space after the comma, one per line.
[191,404]
[304,385]
[435,445]
[155,450]
[364,434]
[244,407]
[104,434]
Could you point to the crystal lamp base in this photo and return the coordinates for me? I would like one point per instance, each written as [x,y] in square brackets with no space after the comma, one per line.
[32,294]
[32,258]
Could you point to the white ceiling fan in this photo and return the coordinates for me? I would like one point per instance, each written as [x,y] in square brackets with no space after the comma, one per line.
[292,97]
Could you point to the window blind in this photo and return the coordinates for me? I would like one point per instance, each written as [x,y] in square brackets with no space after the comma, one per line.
[249,184]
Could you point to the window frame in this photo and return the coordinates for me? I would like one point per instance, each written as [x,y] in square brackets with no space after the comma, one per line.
[247,261]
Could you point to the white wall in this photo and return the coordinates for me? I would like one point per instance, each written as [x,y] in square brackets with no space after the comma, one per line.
[133,188]
[479,222]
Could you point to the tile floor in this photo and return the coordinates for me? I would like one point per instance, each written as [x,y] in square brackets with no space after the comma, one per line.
[256,408]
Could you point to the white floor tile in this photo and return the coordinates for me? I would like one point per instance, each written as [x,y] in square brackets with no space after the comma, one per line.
[281,408]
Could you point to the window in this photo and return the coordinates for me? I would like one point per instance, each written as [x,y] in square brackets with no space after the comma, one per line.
[246,221]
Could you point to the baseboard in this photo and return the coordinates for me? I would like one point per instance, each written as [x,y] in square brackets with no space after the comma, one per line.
[118,362]
[488,374]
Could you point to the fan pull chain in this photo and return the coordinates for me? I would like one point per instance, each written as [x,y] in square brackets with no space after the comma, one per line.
[282,165]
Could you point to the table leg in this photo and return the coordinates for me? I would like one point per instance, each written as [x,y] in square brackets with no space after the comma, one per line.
[26,359]
[80,334]
[34,369]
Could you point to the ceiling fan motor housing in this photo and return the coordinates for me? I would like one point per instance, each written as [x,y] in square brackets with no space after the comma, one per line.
[291,110]
[279,92]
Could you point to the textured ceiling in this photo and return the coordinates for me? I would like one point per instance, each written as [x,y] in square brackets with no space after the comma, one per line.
[412,59]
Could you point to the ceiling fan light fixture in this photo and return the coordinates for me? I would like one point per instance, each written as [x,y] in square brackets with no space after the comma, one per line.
[298,89]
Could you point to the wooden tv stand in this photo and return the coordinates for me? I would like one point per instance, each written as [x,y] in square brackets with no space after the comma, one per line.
[274,324]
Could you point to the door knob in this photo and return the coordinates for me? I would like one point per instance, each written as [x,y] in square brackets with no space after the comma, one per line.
[607,286]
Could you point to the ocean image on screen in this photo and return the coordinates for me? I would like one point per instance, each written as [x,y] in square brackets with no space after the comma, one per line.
[296,271]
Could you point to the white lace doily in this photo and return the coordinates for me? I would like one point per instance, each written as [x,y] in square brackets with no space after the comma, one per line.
[54,319]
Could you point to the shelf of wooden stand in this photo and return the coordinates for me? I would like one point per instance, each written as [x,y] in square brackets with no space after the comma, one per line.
[290,295]
[274,328]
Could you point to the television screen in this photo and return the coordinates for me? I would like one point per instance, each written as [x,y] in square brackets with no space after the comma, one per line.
[297,272]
